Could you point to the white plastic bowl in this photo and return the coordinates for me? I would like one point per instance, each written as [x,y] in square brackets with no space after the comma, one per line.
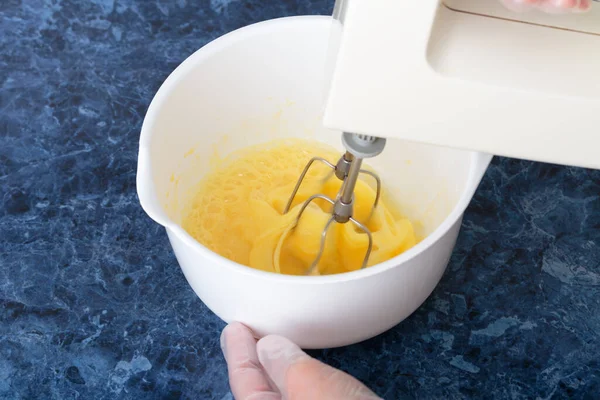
[266,81]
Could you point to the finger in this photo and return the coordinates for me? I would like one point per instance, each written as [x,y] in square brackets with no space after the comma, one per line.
[560,6]
[247,379]
[520,5]
[585,5]
[298,376]
[564,3]
[549,6]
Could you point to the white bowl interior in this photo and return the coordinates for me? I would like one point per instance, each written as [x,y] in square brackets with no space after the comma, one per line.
[245,91]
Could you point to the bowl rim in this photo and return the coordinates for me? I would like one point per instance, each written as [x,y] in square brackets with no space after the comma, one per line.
[477,167]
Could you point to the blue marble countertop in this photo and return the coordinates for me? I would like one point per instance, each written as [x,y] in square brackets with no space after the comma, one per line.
[94,305]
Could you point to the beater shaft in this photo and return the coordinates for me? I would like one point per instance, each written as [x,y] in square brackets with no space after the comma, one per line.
[350,182]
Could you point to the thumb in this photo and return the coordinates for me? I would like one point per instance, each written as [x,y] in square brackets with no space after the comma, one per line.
[299,376]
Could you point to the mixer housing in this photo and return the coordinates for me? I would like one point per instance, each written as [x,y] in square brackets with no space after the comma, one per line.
[468,74]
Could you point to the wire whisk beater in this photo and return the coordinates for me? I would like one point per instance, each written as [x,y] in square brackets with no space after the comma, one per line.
[347,169]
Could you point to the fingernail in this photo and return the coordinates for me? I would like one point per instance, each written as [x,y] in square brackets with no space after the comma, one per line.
[277,354]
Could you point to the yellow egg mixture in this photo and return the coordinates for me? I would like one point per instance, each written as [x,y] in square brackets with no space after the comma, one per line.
[238,213]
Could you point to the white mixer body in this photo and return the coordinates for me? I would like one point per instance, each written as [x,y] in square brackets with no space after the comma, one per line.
[468,74]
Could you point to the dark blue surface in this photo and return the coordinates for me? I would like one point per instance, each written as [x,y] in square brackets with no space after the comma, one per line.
[95,306]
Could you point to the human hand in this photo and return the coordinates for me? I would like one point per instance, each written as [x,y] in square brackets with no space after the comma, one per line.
[275,368]
[550,6]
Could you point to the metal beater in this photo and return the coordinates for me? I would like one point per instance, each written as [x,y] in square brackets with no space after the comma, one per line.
[347,169]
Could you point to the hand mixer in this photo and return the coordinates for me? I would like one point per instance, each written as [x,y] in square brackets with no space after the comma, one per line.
[459,73]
